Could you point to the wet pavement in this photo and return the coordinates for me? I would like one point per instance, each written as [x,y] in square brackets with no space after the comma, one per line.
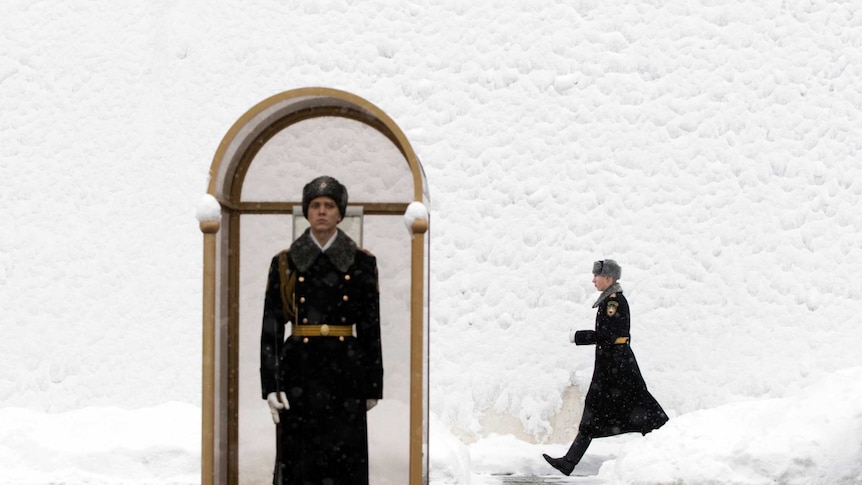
[539,480]
[533,480]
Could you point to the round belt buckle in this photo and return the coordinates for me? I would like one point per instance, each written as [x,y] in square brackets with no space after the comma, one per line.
[324,330]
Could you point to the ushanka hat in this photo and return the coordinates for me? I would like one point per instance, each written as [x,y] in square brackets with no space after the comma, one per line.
[607,267]
[324,186]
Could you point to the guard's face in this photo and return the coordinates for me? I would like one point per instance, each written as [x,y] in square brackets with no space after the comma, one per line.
[323,214]
[602,283]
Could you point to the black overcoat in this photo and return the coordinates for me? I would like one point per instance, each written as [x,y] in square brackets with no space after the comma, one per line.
[323,437]
[618,400]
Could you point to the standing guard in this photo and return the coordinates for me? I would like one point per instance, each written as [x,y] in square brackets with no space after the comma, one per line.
[321,380]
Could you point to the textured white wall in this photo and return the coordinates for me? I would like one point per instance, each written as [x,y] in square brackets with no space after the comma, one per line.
[712,148]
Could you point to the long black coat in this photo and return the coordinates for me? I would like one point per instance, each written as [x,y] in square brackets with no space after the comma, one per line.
[618,400]
[323,437]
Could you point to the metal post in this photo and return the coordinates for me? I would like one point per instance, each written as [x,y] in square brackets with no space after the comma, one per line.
[417,333]
[209,228]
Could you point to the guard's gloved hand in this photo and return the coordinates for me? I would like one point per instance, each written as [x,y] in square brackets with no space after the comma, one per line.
[370,403]
[277,402]
[585,337]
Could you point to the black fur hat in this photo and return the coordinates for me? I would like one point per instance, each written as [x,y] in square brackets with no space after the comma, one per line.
[324,186]
[607,267]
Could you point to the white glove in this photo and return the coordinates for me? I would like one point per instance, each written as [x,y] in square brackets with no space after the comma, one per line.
[370,403]
[277,401]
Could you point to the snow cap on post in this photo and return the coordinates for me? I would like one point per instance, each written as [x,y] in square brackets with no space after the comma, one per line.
[416,211]
[208,214]
[324,186]
[608,267]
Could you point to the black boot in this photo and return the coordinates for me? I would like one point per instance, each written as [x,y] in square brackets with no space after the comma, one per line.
[578,448]
[567,463]
[562,464]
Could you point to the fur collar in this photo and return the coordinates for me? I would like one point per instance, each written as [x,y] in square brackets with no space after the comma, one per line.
[615,288]
[304,251]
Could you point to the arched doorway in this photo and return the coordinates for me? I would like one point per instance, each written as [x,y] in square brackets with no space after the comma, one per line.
[256,178]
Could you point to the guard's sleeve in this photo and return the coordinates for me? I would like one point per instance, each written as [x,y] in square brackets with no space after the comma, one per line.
[272,332]
[585,337]
[368,330]
[612,320]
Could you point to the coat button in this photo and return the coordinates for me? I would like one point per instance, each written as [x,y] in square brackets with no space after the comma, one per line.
[301,279]
[305,340]
[345,298]
[324,330]
[341,339]
[302,299]
[347,277]
[304,320]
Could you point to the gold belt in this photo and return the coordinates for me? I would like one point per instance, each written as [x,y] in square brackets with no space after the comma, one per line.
[323,330]
[621,340]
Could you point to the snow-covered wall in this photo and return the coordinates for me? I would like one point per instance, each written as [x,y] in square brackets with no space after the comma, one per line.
[712,148]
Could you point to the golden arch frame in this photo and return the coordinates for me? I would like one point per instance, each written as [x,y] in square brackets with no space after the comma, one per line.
[229,167]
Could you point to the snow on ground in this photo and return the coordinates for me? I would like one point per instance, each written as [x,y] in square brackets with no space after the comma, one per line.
[160,444]
[712,148]
[810,436]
